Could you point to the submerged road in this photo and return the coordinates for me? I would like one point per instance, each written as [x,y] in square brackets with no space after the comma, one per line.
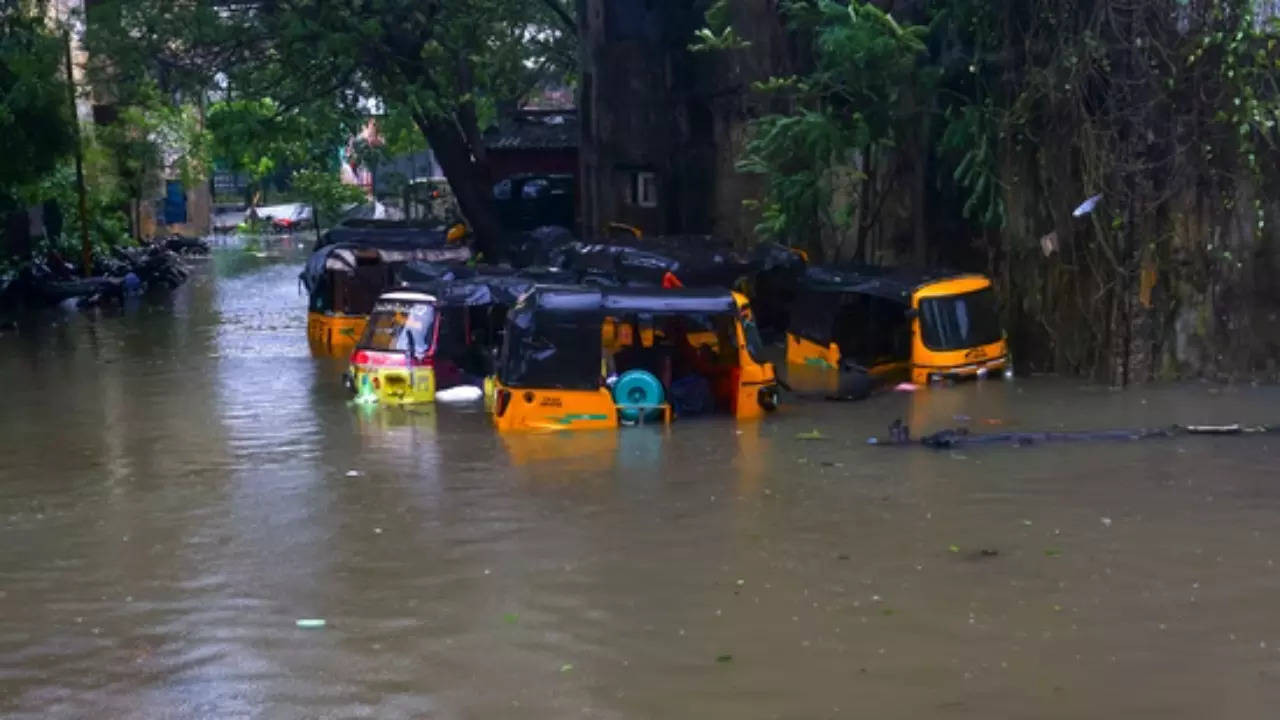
[180,483]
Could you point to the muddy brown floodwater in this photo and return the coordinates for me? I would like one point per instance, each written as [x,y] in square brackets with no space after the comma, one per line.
[180,483]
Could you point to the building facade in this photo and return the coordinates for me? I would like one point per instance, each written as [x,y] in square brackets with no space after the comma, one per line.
[662,125]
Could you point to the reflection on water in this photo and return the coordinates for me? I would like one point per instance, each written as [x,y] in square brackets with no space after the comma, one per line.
[180,482]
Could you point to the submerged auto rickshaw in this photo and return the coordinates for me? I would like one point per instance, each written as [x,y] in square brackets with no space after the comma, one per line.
[343,281]
[463,327]
[692,262]
[894,325]
[473,314]
[394,359]
[688,352]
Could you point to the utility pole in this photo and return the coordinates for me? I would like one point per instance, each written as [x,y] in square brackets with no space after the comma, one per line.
[86,248]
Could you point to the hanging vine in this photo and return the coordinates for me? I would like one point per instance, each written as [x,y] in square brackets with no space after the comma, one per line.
[1167,109]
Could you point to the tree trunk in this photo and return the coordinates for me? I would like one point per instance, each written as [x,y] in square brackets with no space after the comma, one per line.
[470,182]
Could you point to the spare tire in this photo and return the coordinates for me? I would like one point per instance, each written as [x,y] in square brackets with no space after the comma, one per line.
[638,387]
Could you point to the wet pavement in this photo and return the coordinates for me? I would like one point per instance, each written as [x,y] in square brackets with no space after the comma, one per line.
[181,482]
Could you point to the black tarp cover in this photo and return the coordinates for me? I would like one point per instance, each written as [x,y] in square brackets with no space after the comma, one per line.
[824,294]
[343,257]
[388,233]
[697,262]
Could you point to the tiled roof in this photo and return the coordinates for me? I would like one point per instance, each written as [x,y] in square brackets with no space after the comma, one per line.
[534,130]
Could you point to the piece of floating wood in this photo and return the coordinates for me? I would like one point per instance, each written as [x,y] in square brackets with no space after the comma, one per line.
[899,436]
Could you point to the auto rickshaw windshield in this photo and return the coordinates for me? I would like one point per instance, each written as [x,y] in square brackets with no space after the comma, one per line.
[400,327]
[957,322]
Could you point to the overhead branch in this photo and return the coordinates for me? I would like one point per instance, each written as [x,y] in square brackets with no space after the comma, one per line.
[563,15]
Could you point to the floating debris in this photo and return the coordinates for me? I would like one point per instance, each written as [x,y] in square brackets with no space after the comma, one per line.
[811,435]
[726,658]
[1049,244]
[955,437]
[460,394]
[1087,206]
[310,623]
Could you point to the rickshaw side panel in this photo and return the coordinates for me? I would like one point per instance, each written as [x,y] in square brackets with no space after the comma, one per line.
[334,335]
[801,351]
[546,410]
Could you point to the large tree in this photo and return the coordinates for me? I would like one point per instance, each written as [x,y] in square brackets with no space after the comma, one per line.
[36,124]
[446,63]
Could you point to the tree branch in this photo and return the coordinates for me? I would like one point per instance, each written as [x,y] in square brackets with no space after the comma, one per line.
[563,15]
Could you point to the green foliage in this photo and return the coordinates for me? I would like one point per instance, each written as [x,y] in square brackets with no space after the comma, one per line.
[971,141]
[719,33]
[795,155]
[326,193]
[108,226]
[857,101]
[1169,109]
[260,138]
[152,139]
[36,124]
[441,65]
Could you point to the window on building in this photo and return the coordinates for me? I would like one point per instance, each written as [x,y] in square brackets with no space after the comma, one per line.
[646,189]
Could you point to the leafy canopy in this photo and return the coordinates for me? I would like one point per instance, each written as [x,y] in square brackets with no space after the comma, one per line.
[443,64]
[36,123]
[857,99]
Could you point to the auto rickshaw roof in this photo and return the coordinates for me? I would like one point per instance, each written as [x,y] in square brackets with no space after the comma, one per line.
[478,290]
[702,261]
[890,283]
[386,233]
[638,300]
[344,256]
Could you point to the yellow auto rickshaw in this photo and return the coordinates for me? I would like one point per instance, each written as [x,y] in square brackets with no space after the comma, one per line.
[685,353]
[393,362]
[895,325]
[343,281]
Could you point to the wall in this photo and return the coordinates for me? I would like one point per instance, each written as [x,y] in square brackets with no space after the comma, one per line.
[649,104]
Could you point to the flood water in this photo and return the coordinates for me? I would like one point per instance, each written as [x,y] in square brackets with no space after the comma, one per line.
[181,482]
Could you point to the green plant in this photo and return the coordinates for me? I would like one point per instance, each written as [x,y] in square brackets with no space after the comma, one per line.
[443,65]
[864,96]
[326,193]
[36,125]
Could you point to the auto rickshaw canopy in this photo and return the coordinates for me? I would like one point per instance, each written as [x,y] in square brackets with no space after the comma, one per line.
[553,335]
